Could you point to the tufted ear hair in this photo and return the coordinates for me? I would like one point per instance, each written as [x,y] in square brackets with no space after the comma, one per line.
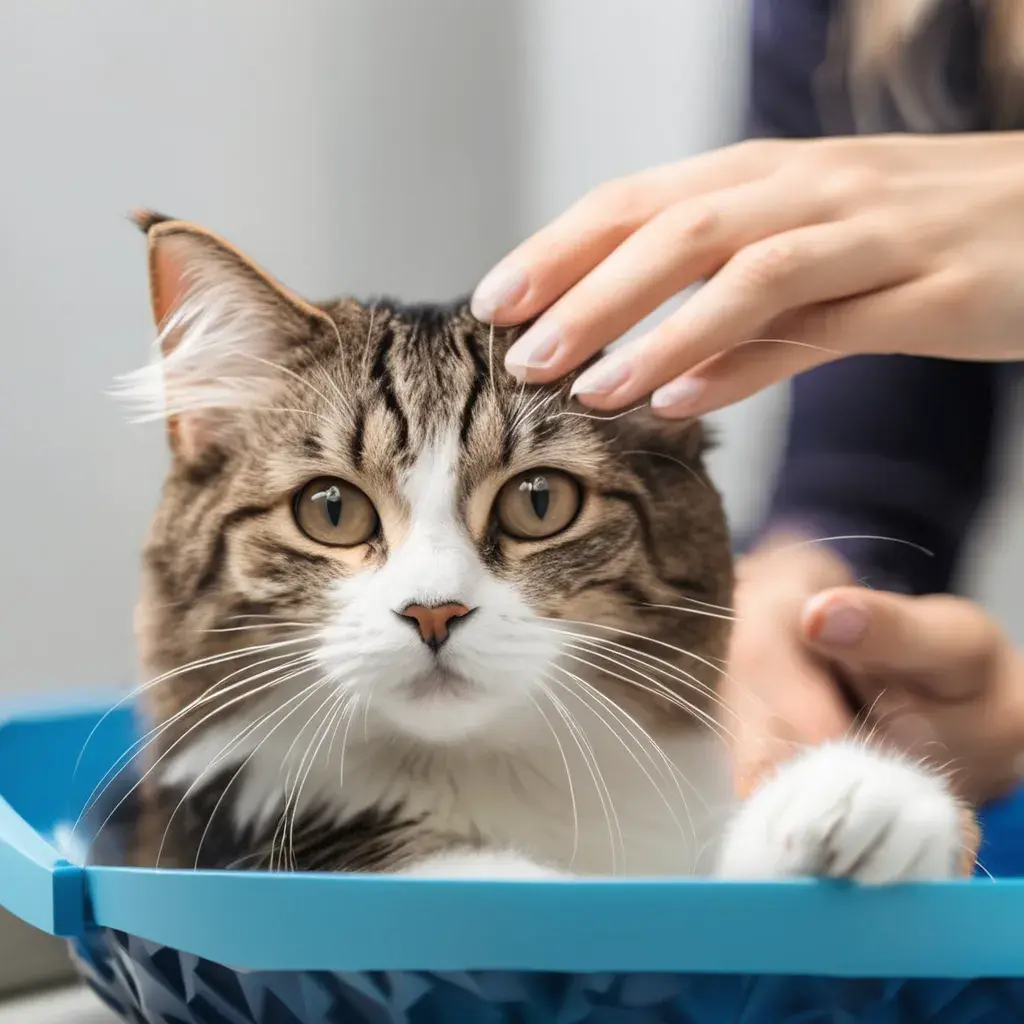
[225,327]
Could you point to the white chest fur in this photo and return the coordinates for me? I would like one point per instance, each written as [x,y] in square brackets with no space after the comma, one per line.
[584,799]
[611,806]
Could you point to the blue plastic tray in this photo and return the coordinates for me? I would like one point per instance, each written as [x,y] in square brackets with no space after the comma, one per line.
[305,949]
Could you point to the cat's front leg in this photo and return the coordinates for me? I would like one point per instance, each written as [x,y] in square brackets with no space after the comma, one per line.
[470,863]
[845,810]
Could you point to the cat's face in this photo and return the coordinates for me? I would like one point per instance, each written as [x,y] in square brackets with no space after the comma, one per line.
[364,510]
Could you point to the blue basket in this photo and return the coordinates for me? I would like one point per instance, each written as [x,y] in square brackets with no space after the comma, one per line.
[326,949]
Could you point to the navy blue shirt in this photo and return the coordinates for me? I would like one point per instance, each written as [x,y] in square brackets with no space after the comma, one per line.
[877,446]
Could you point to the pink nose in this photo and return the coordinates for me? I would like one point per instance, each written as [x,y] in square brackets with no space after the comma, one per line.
[435,622]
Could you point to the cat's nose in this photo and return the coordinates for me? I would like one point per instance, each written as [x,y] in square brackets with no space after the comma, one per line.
[435,622]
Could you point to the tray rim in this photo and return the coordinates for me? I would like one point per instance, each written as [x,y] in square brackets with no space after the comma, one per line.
[263,921]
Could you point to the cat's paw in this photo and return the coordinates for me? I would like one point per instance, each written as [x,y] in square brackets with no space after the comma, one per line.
[846,811]
[493,865]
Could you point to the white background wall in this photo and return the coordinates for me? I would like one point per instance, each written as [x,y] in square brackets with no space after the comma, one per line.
[353,146]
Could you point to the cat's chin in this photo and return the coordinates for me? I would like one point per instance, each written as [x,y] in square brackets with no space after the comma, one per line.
[444,708]
[440,685]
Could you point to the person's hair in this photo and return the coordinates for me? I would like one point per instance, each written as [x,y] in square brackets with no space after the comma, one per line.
[930,65]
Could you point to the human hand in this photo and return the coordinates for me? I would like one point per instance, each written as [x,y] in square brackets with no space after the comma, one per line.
[936,676]
[815,249]
[779,695]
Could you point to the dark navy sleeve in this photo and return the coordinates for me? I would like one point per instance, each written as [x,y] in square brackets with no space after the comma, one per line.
[891,452]
[787,45]
[877,446]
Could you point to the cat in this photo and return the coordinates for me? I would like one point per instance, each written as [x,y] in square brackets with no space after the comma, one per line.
[401,613]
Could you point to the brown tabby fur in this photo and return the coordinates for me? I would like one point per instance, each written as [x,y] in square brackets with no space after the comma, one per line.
[361,390]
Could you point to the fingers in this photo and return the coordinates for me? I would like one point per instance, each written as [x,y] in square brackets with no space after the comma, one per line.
[533,275]
[682,244]
[938,643]
[546,265]
[801,268]
[913,316]
[893,319]
[738,374]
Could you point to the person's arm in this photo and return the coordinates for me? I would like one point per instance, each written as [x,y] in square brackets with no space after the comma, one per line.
[877,446]
[788,39]
[891,452]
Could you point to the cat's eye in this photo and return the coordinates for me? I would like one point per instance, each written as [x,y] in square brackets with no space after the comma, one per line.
[331,511]
[538,504]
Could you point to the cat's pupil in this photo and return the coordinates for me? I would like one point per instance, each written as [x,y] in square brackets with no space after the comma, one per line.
[540,495]
[332,503]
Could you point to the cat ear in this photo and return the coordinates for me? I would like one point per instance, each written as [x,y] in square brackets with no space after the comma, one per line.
[225,329]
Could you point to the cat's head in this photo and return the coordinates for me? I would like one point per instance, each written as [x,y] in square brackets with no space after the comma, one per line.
[362,504]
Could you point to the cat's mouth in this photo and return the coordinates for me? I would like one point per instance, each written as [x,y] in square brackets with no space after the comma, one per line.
[438,683]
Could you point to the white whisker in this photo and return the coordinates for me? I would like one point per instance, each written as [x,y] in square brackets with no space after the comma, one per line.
[708,604]
[568,780]
[212,693]
[287,835]
[227,750]
[691,611]
[312,750]
[350,718]
[256,626]
[579,737]
[204,662]
[692,681]
[657,689]
[490,354]
[670,458]
[153,767]
[703,687]
[604,419]
[629,750]
[857,536]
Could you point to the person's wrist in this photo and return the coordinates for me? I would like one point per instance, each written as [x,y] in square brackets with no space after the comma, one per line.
[787,564]
[1013,673]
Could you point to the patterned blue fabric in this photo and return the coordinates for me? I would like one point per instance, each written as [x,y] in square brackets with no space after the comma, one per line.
[149,984]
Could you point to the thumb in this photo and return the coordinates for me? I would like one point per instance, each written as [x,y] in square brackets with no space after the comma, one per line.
[932,639]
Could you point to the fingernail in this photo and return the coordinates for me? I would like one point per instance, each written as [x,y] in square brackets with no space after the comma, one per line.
[839,624]
[534,350]
[601,379]
[504,286]
[677,396]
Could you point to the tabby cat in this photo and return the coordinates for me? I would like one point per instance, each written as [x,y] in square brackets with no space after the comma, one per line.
[401,613]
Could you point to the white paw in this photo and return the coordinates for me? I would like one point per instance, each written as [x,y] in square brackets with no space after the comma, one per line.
[495,865]
[70,845]
[845,811]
